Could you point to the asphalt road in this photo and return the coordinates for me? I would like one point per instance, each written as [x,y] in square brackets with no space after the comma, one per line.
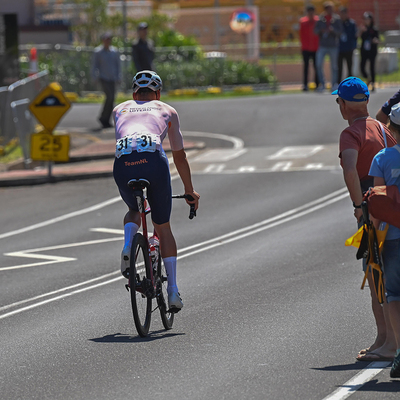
[273,308]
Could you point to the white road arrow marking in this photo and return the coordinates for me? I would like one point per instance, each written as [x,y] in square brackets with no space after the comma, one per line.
[51,259]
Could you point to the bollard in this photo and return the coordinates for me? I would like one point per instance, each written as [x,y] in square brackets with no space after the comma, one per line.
[33,65]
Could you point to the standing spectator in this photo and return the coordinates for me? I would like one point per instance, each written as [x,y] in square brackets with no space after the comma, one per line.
[359,142]
[309,43]
[347,42]
[328,28]
[385,170]
[369,48]
[106,68]
[143,49]
[383,114]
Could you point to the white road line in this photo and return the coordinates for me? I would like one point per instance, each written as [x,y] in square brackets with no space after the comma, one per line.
[358,380]
[107,230]
[53,259]
[9,314]
[218,155]
[237,142]
[258,227]
[295,152]
[61,218]
[221,240]
[254,231]
[214,168]
[67,216]
[18,303]
[279,167]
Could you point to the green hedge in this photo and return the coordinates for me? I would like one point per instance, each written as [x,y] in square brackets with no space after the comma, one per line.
[179,68]
[213,72]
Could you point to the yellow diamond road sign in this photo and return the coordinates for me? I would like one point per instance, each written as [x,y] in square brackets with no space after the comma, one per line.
[50,105]
[48,147]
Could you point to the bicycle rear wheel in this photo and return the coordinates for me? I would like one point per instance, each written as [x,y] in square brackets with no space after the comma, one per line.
[167,318]
[139,279]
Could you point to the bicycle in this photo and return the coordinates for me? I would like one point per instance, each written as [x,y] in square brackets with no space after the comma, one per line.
[147,276]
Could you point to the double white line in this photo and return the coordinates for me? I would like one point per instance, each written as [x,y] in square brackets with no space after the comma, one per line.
[269,223]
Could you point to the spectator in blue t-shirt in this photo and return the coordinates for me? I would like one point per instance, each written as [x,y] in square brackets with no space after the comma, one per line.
[385,169]
[383,113]
[347,43]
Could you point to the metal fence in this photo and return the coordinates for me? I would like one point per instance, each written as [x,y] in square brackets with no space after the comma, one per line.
[15,118]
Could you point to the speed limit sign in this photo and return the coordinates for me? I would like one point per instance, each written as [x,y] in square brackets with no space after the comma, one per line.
[48,147]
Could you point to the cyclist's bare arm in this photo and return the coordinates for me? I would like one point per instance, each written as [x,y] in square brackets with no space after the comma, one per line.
[183,168]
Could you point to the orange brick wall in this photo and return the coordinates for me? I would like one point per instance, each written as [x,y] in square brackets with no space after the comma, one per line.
[385,12]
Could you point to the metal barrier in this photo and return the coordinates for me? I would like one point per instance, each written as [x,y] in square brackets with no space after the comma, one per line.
[3,102]
[27,88]
[24,125]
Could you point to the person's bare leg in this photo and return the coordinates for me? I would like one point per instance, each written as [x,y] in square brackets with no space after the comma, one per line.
[385,340]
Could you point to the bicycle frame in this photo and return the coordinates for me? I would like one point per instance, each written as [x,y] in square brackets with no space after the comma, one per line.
[139,195]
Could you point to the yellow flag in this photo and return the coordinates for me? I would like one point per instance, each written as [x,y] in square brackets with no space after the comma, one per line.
[355,240]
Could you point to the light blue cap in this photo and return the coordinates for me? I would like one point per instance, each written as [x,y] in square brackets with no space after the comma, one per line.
[395,114]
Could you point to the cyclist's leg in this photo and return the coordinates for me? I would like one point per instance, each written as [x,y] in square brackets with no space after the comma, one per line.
[122,174]
[168,254]
[131,226]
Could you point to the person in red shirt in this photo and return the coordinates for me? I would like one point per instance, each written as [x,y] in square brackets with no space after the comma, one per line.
[309,43]
[359,143]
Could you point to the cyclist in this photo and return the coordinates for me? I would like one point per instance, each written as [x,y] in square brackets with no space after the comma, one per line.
[141,125]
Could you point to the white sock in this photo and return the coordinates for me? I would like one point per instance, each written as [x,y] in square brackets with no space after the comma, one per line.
[170,268]
[130,229]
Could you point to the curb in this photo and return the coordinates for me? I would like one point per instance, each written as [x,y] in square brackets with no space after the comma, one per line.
[41,177]
[53,179]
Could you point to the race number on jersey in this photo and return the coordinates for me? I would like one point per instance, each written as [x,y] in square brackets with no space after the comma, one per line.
[140,142]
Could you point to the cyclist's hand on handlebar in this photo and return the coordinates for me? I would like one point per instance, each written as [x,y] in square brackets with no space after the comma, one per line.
[192,198]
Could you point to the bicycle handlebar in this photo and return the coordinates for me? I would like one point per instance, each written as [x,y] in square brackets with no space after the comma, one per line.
[190,198]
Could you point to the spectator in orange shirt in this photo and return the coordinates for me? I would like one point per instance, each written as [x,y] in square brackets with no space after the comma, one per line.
[309,43]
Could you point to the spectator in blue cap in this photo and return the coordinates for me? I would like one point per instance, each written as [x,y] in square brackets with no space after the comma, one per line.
[359,142]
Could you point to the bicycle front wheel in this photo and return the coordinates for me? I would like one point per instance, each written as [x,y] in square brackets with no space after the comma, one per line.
[167,318]
[139,278]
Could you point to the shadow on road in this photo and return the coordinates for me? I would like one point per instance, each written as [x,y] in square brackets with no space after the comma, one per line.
[375,386]
[123,338]
[357,366]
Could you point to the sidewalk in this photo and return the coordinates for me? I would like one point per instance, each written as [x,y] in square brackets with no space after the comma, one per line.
[90,157]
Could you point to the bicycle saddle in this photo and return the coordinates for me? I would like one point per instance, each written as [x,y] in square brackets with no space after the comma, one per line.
[138,184]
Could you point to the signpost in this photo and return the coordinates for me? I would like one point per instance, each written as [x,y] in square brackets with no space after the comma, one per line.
[48,147]
[48,107]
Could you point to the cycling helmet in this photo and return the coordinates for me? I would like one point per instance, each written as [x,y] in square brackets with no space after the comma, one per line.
[146,79]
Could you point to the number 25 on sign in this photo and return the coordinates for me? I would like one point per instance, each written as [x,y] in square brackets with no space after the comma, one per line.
[48,147]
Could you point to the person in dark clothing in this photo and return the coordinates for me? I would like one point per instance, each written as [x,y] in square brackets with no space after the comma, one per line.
[347,42]
[106,69]
[309,43]
[143,50]
[383,113]
[329,29]
[369,48]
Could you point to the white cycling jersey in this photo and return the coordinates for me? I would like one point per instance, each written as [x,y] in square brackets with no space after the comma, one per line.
[143,121]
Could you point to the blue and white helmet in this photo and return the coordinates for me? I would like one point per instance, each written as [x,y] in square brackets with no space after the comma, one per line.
[146,79]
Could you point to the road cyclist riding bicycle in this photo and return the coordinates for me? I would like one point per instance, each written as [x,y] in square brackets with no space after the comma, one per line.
[141,125]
